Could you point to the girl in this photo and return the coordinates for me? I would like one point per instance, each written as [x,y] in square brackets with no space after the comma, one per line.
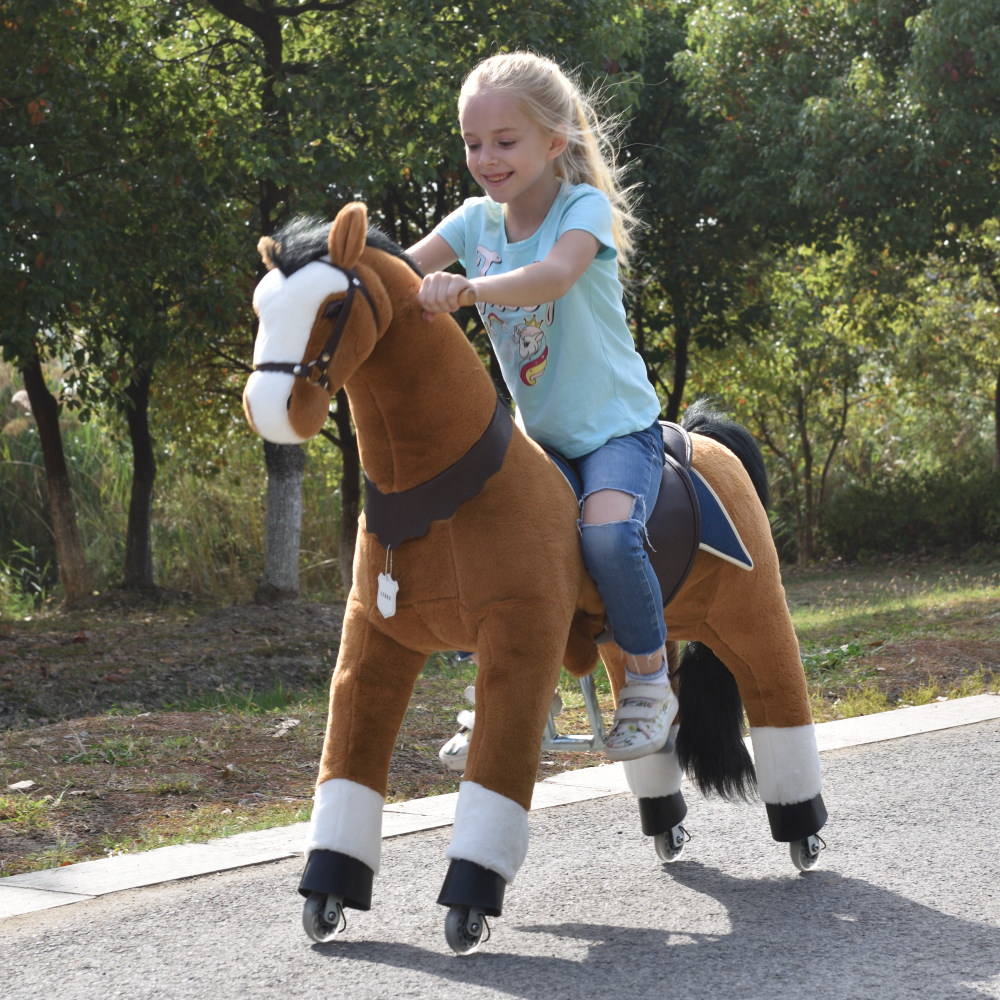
[541,253]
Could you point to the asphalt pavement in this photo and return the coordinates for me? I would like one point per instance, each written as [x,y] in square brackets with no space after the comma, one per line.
[904,903]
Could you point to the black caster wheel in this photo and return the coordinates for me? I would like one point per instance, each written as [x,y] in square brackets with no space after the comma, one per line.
[323,917]
[463,929]
[805,852]
[670,844]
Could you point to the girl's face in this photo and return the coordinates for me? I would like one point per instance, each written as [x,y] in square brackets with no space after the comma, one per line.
[509,154]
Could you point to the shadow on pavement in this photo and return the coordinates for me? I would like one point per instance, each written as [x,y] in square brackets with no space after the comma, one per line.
[817,936]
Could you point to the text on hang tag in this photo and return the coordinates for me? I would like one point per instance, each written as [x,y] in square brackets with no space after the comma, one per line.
[387,590]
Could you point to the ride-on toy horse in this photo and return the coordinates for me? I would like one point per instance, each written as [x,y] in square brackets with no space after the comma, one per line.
[469,541]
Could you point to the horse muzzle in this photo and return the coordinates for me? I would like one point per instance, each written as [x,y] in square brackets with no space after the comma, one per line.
[272,406]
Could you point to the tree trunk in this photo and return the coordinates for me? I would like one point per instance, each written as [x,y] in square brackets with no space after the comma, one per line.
[682,348]
[996,425]
[350,491]
[138,570]
[73,573]
[283,526]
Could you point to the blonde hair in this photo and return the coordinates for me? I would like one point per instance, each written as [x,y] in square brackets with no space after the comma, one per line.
[557,103]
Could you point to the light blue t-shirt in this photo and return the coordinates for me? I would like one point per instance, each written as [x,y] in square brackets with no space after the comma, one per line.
[571,365]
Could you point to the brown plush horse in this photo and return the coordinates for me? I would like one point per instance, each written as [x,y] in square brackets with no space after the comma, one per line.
[476,547]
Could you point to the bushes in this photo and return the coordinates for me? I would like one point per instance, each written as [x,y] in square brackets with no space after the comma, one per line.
[914,512]
[208,533]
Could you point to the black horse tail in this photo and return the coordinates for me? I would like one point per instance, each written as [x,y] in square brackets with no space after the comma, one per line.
[710,744]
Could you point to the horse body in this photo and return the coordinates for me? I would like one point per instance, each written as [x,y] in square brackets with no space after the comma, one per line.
[502,575]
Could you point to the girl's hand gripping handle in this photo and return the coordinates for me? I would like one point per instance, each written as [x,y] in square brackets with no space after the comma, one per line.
[442,292]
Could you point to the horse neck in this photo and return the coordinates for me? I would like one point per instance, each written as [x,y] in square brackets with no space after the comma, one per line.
[420,400]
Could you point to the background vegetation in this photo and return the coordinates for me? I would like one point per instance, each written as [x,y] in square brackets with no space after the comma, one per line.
[819,192]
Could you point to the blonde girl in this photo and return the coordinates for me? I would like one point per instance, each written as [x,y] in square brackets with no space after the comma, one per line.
[541,252]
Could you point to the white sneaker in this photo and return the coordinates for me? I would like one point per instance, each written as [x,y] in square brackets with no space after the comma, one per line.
[642,721]
[455,753]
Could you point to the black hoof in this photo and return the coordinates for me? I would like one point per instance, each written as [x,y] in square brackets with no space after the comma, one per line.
[338,874]
[796,821]
[658,815]
[472,885]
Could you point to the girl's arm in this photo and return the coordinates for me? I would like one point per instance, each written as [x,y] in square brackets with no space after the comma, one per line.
[432,253]
[544,281]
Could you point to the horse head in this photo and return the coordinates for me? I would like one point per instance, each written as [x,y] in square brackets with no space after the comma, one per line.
[321,312]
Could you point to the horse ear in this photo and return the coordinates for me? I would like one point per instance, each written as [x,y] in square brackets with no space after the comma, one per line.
[266,248]
[348,234]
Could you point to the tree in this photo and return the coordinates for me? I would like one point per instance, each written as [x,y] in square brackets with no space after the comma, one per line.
[694,259]
[367,110]
[49,159]
[870,117]
[821,354]
[851,111]
[103,151]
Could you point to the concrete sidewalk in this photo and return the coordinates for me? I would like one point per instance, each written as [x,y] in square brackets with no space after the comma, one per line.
[21,894]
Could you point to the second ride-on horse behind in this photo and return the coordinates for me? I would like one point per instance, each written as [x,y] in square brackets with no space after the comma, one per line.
[469,541]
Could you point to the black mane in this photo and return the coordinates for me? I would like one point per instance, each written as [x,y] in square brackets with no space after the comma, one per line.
[304,240]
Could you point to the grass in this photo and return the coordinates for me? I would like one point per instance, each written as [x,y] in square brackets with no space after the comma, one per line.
[859,624]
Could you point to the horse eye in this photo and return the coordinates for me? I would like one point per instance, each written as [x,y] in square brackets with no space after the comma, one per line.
[332,308]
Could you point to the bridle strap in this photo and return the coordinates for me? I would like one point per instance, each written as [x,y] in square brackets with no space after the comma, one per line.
[320,364]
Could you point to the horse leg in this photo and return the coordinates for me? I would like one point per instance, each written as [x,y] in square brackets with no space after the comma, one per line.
[369,693]
[518,671]
[763,656]
[655,780]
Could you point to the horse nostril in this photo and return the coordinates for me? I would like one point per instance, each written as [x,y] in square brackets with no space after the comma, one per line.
[288,403]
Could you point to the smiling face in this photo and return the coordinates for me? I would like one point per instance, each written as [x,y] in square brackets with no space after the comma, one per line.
[509,154]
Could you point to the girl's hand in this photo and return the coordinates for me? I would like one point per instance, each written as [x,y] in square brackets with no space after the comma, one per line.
[443,291]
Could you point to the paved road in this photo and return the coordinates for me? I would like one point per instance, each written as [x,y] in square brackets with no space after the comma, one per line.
[905,903]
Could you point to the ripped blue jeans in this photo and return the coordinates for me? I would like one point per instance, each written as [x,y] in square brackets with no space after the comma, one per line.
[614,553]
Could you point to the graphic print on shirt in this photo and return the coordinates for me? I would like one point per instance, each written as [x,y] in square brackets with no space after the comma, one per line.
[517,333]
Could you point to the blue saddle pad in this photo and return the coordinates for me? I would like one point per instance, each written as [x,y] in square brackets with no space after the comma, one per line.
[718,533]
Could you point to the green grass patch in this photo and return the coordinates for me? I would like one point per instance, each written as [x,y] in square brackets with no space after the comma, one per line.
[24,813]
[208,821]
[253,703]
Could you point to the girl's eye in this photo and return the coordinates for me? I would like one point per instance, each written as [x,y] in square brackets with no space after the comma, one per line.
[472,146]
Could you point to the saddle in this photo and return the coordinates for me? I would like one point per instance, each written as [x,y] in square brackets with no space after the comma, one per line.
[673,528]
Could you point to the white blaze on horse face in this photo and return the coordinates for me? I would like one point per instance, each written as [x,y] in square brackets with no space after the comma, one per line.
[287,308]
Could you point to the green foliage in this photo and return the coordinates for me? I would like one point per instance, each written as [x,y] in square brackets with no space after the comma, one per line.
[208,518]
[913,511]
[140,141]
[869,112]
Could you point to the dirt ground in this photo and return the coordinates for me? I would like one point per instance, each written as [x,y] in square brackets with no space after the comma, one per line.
[101,749]
[97,726]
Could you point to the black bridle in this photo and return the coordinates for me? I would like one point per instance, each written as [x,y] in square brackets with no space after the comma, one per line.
[341,308]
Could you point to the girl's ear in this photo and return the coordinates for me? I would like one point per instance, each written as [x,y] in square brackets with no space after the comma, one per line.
[558,144]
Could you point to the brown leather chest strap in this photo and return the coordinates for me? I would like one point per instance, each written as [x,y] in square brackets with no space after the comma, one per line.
[395,517]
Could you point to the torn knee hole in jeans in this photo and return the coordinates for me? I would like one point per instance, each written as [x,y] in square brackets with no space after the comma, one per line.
[636,513]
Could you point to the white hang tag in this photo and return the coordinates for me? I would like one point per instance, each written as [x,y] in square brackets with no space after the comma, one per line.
[387,589]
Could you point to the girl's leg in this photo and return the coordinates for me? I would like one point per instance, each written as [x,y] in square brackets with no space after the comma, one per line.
[616,557]
[620,482]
